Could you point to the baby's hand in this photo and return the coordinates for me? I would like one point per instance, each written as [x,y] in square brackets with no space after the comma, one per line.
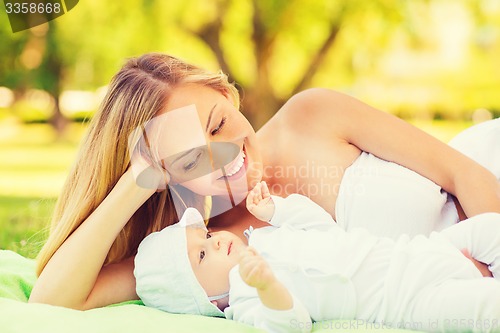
[260,203]
[254,270]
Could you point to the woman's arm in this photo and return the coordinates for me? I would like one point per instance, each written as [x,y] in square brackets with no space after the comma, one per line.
[335,116]
[75,277]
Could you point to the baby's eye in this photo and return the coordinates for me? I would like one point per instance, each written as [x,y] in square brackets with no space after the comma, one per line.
[202,255]
[209,235]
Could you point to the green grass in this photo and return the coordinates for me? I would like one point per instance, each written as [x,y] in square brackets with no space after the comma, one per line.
[33,167]
[23,223]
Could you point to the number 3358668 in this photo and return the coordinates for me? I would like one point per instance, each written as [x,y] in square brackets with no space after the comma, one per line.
[32,8]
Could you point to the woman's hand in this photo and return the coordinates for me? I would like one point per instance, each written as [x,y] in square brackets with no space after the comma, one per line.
[260,203]
[147,174]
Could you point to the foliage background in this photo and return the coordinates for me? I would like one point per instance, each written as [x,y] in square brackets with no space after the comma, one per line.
[422,60]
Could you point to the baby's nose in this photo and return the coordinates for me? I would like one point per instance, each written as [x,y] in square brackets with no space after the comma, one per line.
[216,242]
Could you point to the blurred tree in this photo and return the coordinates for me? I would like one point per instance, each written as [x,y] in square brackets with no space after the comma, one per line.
[50,76]
[81,49]
[11,45]
[31,59]
[254,40]
[271,48]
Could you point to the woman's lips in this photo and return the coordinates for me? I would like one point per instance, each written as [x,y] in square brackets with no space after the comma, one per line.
[236,164]
[237,167]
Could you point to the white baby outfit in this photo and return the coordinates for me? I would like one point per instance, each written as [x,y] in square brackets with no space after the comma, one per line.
[389,200]
[420,283]
[333,274]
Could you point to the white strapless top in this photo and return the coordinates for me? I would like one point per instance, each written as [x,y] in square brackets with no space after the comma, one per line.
[389,200]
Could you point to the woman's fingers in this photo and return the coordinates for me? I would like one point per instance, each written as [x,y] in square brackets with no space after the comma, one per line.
[146,174]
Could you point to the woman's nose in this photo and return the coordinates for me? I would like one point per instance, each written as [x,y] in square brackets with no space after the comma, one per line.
[223,153]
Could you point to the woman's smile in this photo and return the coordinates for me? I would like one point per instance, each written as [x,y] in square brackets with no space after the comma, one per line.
[237,167]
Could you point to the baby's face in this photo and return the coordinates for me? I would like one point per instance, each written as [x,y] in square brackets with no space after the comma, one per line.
[212,256]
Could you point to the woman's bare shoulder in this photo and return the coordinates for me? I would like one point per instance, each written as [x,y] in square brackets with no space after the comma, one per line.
[312,99]
[307,112]
[310,125]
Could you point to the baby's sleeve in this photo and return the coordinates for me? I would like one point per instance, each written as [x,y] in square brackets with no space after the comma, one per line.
[246,307]
[300,212]
[252,312]
[297,319]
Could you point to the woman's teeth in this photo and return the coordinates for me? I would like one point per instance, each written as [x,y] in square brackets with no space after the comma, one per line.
[237,165]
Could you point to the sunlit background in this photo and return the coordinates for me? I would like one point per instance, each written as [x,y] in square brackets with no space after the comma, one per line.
[435,63]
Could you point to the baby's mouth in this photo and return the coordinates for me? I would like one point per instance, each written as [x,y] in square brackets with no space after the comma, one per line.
[229,248]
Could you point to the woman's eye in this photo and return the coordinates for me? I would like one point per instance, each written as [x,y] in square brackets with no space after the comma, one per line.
[219,127]
[202,255]
[191,165]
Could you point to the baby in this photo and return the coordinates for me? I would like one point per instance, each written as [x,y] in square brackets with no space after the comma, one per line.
[304,268]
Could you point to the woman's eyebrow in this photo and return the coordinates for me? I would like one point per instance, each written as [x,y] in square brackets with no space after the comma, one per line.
[210,117]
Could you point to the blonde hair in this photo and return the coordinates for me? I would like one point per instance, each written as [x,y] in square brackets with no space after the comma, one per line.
[137,93]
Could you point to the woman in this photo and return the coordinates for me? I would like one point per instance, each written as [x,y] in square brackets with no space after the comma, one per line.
[103,214]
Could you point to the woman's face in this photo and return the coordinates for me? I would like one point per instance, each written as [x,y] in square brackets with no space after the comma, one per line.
[209,147]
